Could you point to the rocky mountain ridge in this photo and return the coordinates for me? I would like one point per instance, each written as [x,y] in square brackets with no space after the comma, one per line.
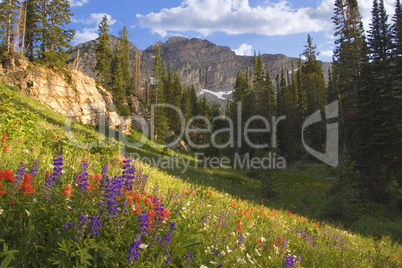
[199,62]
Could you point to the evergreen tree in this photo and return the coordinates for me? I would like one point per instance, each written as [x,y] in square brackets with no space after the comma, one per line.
[147,90]
[158,97]
[194,102]
[103,54]
[119,94]
[57,37]
[376,104]
[249,110]
[8,12]
[186,107]
[205,109]
[332,88]
[314,86]
[396,30]
[283,105]
[239,93]
[32,28]
[349,56]
[137,75]
[177,92]
[346,196]
[125,57]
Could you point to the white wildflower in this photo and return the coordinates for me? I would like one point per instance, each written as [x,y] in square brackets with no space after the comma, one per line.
[27,212]
[1,211]
[258,253]
[27,151]
[203,266]
[228,249]
[143,246]
[212,262]
[242,247]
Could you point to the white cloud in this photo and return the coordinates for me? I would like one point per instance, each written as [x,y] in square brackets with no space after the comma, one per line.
[78,3]
[326,53]
[238,17]
[85,36]
[96,18]
[244,50]
[90,33]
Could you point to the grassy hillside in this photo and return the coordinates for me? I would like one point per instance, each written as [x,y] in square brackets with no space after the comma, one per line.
[92,207]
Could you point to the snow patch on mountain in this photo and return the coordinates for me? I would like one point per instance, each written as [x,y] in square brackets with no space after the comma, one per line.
[220,94]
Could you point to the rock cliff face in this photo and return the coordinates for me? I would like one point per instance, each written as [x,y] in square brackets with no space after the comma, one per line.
[199,62]
[80,99]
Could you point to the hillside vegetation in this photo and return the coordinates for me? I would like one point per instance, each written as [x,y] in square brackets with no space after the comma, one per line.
[65,206]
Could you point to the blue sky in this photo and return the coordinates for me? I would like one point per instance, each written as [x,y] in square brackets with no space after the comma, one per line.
[245,26]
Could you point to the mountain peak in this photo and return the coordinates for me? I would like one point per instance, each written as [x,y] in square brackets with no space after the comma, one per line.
[200,63]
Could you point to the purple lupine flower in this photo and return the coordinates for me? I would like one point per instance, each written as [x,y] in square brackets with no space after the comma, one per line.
[84,175]
[81,225]
[20,174]
[105,169]
[172,226]
[189,255]
[35,169]
[95,225]
[68,224]
[134,250]
[284,244]
[144,223]
[144,180]
[166,254]
[168,238]
[288,261]
[241,239]
[58,167]
[113,190]
[205,220]
[57,170]
[216,252]
[128,174]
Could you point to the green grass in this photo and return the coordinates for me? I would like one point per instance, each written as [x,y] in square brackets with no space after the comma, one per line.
[221,215]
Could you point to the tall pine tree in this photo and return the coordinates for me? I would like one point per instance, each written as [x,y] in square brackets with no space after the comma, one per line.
[103,54]
[349,56]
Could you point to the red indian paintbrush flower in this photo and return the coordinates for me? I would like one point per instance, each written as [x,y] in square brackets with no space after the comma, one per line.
[26,187]
[68,191]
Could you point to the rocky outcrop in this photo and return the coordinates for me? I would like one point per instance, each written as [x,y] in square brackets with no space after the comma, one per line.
[78,96]
[199,62]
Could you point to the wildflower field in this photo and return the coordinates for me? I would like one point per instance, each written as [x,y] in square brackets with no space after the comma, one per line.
[62,206]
